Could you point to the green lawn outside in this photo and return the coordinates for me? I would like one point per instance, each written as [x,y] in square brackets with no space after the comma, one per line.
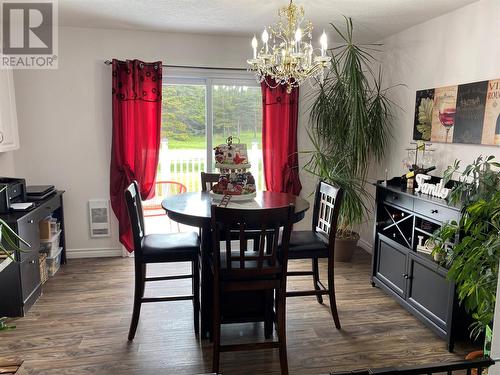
[199,142]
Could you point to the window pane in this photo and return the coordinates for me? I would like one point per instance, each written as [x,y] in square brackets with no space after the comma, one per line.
[183,132]
[237,111]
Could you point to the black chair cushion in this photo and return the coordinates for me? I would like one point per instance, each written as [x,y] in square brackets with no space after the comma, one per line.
[306,245]
[170,247]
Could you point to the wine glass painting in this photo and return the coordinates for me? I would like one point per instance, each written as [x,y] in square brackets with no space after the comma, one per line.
[447,112]
[444,114]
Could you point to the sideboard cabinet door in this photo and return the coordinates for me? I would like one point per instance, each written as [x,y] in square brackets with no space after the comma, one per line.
[391,265]
[9,137]
[429,292]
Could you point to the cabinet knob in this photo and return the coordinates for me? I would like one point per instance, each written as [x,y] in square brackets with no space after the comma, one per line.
[434,211]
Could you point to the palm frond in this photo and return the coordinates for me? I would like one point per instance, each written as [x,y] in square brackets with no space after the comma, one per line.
[350,122]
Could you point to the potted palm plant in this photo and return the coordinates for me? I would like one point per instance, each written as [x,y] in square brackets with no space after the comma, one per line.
[350,118]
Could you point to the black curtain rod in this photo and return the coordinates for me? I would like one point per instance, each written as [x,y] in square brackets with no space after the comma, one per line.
[108,62]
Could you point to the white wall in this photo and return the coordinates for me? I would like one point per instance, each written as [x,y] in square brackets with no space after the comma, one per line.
[65,114]
[7,167]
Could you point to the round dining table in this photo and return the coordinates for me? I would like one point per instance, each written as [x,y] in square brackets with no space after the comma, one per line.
[194,209]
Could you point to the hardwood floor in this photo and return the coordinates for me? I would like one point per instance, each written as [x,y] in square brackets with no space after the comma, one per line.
[80,325]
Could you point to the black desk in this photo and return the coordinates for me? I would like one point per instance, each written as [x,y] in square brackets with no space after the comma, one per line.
[20,284]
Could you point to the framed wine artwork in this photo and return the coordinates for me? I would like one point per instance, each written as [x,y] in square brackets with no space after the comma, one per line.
[468,113]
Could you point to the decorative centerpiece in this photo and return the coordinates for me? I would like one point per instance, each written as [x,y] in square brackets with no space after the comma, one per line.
[235,181]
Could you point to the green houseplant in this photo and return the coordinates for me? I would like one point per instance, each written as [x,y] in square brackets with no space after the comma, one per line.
[471,247]
[8,240]
[350,118]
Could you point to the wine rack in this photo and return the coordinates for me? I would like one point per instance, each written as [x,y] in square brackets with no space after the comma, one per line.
[397,225]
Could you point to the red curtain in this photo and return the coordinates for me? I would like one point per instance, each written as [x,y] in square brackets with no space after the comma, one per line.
[136,134]
[279,138]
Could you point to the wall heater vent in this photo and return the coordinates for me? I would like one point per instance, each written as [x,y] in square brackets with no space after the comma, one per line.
[99,218]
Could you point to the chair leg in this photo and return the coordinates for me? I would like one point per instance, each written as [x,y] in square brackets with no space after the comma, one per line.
[143,286]
[216,330]
[268,321]
[196,294]
[331,293]
[315,269]
[138,294]
[281,323]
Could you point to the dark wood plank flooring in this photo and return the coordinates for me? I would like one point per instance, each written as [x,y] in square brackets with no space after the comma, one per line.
[80,325]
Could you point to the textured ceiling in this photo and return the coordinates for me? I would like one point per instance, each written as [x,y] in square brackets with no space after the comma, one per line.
[373,19]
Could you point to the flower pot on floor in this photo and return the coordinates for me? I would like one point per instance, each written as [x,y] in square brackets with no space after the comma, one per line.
[344,248]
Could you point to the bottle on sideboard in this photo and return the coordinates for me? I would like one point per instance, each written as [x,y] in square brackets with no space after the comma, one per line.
[416,171]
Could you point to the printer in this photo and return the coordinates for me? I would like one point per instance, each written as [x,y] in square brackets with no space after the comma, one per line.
[12,190]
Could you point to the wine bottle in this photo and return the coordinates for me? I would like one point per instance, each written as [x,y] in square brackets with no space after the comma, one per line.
[416,171]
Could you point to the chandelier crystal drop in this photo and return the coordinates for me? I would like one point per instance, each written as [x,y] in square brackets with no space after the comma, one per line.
[286,55]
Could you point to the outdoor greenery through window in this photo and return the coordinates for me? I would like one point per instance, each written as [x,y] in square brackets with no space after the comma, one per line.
[200,113]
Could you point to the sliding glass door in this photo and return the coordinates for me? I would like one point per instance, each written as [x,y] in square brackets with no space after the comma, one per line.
[183,133]
[237,112]
[201,112]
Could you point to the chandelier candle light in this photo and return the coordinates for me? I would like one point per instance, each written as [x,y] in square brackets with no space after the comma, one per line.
[290,59]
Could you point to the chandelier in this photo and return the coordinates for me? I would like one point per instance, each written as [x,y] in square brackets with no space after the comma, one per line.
[286,56]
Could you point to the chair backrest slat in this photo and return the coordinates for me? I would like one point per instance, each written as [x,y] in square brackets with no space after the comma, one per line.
[208,180]
[243,245]
[262,241]
[246,222]
[135,213]
[228,245]
[327,201]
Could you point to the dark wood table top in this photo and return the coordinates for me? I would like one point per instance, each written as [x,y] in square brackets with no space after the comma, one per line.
[194,208]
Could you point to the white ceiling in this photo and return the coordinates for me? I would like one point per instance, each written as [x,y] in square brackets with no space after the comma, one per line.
[373,19]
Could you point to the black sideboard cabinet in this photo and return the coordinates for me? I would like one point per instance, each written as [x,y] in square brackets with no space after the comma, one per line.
[413,278]
[20,283]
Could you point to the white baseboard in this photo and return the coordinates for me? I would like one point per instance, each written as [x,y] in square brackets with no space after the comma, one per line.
[365,245]
[118,252]
[93,253]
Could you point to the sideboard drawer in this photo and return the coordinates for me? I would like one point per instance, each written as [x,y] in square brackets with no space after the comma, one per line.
[398,199]
[438,213]
[29,231]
